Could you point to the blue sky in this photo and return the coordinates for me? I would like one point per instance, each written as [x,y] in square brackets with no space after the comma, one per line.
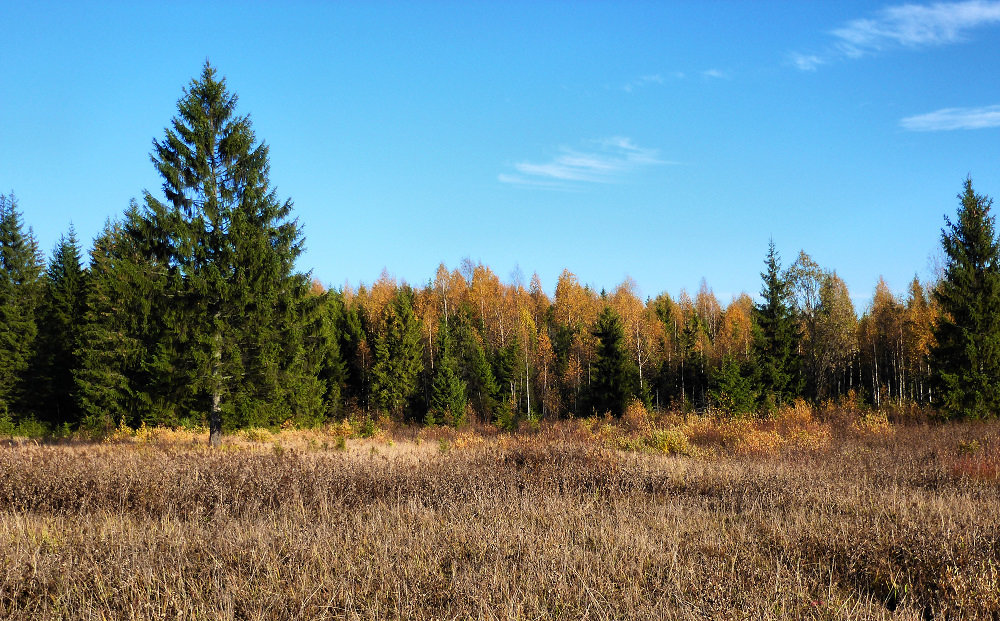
[663,141]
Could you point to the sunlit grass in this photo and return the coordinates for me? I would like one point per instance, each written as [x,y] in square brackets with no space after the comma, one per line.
[802,515]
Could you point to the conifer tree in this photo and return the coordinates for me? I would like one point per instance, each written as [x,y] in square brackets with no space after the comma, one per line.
[354,347]
[732,387]
[116,378]
[966,356]
[474,368]
[504,364]
[448,400]
[61,321]
[326,347]
[20,288]
[237,319]
[107,351]
[398,357]
[611,386]
[692,372]
[776,336]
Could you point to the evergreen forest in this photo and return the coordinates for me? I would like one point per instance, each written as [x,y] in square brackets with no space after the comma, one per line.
[188,310]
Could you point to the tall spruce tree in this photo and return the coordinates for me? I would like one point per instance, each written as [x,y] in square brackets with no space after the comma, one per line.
[732,387]
[116,378]
[612,384]
[966,356]
[776,336]
[448,400]
[398,357]
[107,354]
[358,358]
[504,362]
[61,320]
[325,347]
[473,366]
[237,318]
[691,372]
[21,267]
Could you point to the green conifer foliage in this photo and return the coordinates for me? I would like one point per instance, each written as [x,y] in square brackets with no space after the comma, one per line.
[398,357]
[966,357]
[691,371]
[20,290]
[325,346]
[61,321]
[238,319]
[776,337]
[504,363]
[108,354]
[611,385]
[732,388]
[356,350]
[121,338]
[448,400]
[474,368]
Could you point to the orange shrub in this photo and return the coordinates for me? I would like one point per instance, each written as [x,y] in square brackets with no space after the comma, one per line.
[636,417]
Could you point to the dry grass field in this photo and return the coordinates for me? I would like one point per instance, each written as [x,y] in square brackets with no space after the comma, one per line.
[678,518]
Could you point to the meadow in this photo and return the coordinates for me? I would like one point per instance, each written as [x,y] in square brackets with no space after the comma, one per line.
[826,514]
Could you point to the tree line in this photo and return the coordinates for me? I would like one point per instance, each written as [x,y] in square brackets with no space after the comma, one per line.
[189,310]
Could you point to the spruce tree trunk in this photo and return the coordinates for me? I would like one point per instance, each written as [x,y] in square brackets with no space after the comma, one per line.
[215,414]
[215,421]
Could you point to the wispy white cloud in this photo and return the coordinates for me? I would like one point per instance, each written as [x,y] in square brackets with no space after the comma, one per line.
[652,79]
[526,182]
[953,118]
[914,25]
[643,80]
[904,26]
[715,74]
[806,62]
[606,161]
